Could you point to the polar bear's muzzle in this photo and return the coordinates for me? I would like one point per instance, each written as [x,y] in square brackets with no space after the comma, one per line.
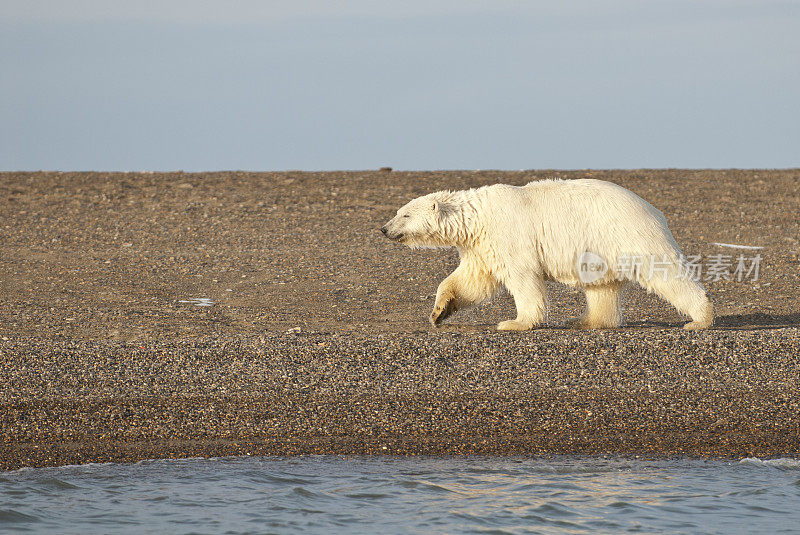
[390,234]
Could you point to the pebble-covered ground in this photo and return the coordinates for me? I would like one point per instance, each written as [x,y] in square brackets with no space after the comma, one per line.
[170,314]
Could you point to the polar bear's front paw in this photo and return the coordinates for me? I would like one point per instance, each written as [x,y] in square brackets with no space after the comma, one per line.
[513,325]
[441,312]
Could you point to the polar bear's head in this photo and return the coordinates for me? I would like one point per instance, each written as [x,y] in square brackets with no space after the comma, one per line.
[427,221]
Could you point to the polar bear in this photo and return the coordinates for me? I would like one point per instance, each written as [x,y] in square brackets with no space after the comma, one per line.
[590,234]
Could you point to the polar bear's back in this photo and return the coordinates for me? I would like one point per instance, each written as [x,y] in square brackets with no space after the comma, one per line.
[564,218]
[593,202]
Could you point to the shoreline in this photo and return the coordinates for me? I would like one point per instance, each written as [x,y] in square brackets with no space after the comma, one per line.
[316,337]
[620,392]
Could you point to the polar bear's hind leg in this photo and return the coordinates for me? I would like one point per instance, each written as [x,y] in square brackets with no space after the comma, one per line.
[602,308]
[689,298]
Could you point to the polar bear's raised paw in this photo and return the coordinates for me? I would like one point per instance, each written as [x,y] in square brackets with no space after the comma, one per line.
[441,312]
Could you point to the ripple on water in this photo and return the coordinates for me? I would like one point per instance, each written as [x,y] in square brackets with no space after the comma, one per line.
[426,486]
[10,516]
[781,464]
[55,483]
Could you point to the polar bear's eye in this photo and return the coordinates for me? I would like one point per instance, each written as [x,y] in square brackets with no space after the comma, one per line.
[406,215]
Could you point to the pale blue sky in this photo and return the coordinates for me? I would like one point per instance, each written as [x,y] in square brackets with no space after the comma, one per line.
[259,85]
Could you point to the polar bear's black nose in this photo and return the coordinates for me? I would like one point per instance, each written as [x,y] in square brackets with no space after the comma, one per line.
[383,229]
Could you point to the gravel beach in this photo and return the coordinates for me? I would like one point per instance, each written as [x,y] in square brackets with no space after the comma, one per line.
[148,315]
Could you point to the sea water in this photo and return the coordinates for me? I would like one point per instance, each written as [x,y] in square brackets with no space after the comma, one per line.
[333,494]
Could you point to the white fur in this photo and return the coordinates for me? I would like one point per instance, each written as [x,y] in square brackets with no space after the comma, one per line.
[518,237]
